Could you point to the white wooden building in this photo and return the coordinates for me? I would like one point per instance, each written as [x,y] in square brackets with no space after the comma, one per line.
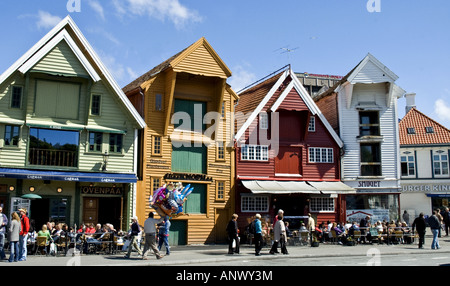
[362,107]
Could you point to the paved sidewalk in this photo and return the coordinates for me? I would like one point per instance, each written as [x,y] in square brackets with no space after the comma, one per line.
[210,254]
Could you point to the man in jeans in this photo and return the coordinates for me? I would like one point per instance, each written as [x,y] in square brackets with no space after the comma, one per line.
[23,238]
[150,236]
[3,224]
[435,226]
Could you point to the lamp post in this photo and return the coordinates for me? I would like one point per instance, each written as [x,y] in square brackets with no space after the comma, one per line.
[105,160]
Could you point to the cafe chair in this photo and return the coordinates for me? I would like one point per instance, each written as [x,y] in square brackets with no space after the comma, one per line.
[41,243]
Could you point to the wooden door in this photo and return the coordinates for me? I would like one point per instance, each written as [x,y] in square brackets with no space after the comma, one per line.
[288,161]
[90,210]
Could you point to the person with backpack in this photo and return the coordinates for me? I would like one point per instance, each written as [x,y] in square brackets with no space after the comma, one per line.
[23,236]
[257,232]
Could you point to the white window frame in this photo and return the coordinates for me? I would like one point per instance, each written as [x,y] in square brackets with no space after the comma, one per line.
[312,124]
[263,121]
[254,204]
[254,153]
[441,162]
[407,156]
[320,155]
[322,205]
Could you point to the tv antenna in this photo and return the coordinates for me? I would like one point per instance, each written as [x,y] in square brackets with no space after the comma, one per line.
[286,50]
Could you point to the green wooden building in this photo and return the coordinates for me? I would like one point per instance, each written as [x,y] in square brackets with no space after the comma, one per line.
[68,134]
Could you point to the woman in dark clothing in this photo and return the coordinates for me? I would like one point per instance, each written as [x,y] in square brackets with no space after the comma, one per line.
[233,235]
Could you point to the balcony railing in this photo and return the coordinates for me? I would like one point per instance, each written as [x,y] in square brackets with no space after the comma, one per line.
[49,157]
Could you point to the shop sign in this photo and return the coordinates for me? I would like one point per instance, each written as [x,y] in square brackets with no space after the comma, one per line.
[187,177]
[426,188]
[88,190]
[374,214]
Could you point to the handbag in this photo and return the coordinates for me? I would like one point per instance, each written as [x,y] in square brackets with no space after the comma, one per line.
[53,250]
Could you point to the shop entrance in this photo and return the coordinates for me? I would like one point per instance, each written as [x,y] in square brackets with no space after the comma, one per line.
[292,205]
[50,210]
[103,210]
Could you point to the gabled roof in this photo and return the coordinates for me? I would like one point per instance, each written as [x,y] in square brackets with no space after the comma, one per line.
[419,121]
[176,61]
[254,99]
[67,31]
[370,68]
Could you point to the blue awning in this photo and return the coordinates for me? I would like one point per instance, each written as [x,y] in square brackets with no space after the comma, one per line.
[67,176]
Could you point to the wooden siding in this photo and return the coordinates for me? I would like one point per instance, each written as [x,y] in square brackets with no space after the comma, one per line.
[61,60]
[370,73]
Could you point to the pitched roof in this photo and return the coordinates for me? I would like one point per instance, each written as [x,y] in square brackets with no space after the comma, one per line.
[176,59]
[67,30]
[419,121]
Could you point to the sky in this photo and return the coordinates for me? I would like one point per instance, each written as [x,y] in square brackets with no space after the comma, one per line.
[255,38]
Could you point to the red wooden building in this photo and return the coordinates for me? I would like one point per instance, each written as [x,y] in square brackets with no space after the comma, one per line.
[287,154]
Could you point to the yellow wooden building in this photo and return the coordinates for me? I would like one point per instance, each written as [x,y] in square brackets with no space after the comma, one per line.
[188,107]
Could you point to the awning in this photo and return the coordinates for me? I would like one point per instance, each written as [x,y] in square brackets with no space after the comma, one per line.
[293,187]
[279,187]
[333,187]
[67,176]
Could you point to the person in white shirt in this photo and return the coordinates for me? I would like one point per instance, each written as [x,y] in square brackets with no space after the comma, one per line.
[150,236]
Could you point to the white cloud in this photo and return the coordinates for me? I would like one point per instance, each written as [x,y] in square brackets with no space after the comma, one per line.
[47,20]
[98,8]
[241,78]
[442,109]
[172,10]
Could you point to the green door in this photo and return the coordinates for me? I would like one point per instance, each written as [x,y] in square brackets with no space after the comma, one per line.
[196,201]
[178,232]
[196,111]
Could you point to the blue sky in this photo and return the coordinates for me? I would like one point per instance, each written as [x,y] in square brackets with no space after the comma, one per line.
[327,37]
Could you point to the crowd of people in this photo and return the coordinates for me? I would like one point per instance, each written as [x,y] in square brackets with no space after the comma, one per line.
[22,235]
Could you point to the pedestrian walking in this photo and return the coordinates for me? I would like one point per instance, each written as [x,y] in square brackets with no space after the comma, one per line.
[311,227]
[14,237]
[135,230]
[420,225]
[150,236]
[3,232]
[279,236]
[435,225]
[23,238]
[446,215]
[163,235]
[258,235]
[233,235]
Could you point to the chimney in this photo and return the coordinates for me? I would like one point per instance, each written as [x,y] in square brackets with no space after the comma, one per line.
[410,101]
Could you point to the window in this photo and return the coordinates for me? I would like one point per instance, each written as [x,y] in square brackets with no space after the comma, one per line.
[322,204]
[12,135]
[263,121]
[156,183]
[369,123]
[95,141]
[220,190]
[312,124]
[156,145]
[411,130]
[321,155]
[220,152]
[16,97]
[115,143]
[429,130]
[408,165]
[370,159]
[95,104]
[255,204]
[158,102]
[254,153]
[440,163]
[223,109]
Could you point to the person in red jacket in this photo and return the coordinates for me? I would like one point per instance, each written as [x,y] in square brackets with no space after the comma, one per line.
[23,236]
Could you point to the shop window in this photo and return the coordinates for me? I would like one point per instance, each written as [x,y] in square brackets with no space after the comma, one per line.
[255,204]
[322,205]
[370,159]
[440,163]
[408,165]
[369,123]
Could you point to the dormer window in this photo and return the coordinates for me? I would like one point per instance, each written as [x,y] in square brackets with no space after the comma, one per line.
[429,130]
[411,130]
